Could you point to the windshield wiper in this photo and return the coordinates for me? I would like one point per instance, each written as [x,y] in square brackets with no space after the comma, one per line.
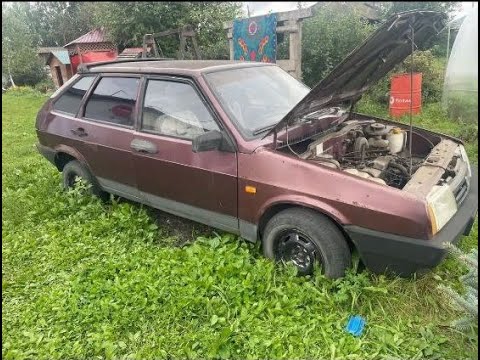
[263,129]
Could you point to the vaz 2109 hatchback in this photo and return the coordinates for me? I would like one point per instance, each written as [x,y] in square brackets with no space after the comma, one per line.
[246,148]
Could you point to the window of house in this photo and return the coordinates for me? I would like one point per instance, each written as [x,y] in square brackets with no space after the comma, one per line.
[70,100]
[175,109]
[113,100]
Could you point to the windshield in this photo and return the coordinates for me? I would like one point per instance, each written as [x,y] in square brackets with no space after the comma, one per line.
[256,98]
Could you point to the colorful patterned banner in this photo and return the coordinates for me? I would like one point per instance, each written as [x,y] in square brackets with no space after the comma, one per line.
[255,39]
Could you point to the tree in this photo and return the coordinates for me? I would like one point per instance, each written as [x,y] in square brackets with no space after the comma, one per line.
[389,8]
[328,37]
[19,56]
[446,7]
[208,18]
[127,22]
[57,23]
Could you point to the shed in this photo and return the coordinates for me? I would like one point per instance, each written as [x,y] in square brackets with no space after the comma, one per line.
[44,52]
[92,47]
[57,63]
[60,66]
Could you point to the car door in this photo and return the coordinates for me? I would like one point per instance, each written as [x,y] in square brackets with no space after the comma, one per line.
[170,176]
[106,121]
[62,128]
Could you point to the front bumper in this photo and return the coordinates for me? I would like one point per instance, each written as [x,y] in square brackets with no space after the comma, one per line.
[383,252]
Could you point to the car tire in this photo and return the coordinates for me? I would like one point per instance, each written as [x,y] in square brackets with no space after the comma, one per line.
[306,237]
[75,169]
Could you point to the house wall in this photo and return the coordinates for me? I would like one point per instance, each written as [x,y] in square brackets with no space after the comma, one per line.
[65,70]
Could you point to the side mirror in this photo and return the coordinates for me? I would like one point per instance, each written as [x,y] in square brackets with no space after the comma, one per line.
[211,140]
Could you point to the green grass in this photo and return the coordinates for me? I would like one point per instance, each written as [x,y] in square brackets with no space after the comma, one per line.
[82,279]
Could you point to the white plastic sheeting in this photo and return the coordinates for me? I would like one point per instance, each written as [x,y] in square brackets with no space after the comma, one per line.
[461,79]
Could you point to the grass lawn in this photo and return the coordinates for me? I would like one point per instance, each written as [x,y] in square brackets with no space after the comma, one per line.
[82,279]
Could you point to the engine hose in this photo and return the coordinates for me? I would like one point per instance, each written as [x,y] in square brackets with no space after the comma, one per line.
[331,161]
[402,168]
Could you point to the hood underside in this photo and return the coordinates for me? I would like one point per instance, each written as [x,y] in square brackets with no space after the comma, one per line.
[388,46]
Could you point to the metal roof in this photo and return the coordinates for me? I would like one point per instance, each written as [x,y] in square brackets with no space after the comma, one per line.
[94,36]
[62,56]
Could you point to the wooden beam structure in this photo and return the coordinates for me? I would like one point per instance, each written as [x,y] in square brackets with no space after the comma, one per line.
[288,22]
[184,33]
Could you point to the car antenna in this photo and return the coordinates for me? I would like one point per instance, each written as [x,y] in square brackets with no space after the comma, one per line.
[412,34]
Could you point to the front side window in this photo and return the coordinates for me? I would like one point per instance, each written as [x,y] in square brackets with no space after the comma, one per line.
[113,100]
[69,101]
[175,109]
[256,98]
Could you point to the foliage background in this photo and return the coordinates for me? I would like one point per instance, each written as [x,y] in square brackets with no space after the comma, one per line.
[29,25]
[330,35]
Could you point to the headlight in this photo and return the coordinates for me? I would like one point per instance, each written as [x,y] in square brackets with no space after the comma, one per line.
[441,206]
[464,155]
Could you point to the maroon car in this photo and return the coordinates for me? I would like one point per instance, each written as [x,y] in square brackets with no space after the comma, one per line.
[246,148]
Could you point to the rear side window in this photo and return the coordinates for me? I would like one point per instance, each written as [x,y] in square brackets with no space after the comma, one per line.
[70,100]
[113,100]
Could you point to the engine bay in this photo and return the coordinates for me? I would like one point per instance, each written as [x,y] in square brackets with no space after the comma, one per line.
[372,150]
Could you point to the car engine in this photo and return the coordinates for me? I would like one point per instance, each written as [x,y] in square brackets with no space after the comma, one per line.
[365,148]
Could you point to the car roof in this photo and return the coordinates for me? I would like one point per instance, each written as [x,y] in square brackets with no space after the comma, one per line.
[186,67]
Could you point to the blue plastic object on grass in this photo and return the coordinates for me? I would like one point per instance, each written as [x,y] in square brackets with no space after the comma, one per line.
[355,325]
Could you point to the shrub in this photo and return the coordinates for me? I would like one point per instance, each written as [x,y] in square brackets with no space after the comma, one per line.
[463,107]
[29,73]
[425,62]
[432,70]
[331,35]
[327,38]
[216,51]
[45,86]
[22,91]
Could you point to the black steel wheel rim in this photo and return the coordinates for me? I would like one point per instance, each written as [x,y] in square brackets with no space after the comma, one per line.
[294,246]
[72,179]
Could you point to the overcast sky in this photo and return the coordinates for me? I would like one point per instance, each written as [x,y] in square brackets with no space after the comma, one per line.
[263,7]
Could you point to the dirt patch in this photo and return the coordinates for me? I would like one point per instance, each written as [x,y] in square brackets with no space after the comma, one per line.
[175,230]
[178,231]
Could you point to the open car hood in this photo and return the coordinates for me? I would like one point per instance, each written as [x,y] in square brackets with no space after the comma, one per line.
[388,46]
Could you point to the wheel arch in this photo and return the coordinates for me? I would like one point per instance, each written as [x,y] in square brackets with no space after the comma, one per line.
[274,208]
[65,154]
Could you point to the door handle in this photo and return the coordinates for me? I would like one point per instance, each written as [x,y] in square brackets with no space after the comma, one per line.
[79,132]
[143,146]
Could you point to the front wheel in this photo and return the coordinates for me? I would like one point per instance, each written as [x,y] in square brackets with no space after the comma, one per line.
[305,237]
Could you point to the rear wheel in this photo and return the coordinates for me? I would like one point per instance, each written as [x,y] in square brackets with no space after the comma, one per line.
[73,171]
[305,238]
